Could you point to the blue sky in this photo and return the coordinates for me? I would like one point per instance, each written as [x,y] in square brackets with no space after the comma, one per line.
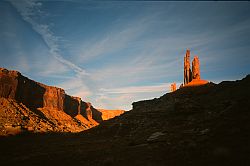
[113,53]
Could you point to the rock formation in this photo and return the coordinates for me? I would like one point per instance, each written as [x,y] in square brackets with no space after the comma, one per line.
[187,69]
[52,104]
[192,77]
[196,68]
[109,114]
[173,87]
[199,126]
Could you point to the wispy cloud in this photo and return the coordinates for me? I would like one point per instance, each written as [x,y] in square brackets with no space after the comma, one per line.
[139,89]
[157,59]
[117,38]
[29,9]
[111,43]
[76,86]
[121,101]
[132,55]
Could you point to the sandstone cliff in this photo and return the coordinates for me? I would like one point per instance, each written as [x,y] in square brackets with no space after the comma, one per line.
[187,68]
[60,111]
[109,114]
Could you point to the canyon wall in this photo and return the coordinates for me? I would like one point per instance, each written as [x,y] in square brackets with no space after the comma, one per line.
[50,102]
[8,83]
[32,94]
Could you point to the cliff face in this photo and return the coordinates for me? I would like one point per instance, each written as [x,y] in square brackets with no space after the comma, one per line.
[8,83]
[109,114]
[50,103]
[33,94]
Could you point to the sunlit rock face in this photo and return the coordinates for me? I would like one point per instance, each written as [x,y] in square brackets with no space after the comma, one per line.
[33,94]
[196,82]
[192,77]
[196,68]
[187,68]
[63,113]
[173,87]
[109,114]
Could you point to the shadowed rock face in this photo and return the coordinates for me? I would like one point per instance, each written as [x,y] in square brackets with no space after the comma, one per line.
[48,102]
[33,94]
[97,115]
[30,93]
[72,105]
[8,83]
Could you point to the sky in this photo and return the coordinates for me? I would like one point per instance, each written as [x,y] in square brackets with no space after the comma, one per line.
[113,53]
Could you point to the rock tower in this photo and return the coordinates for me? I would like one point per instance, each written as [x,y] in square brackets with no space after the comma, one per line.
[187,69]
[192,75]
[196,68]
[173,87]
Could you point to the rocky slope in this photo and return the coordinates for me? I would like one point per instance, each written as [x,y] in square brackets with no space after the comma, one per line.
[200,125]
[26,105]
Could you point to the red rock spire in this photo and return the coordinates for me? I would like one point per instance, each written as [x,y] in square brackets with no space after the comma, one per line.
[192,76]
[187,69]
[173,87]
[196,68]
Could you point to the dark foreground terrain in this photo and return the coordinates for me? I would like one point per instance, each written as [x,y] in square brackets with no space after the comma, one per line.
[206,125]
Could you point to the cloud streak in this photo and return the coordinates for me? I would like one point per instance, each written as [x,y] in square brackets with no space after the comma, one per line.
[117,38]
[138,89]
[129,52]
[29,9]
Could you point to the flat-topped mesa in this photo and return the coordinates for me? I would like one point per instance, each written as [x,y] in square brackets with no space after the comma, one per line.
[109,114]
[31,93]
[51,106]
[192,78]
[36,95]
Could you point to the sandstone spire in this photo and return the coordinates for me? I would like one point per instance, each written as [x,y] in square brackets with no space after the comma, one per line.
[192,76]
[196,68]
[173,87]
[187,69]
